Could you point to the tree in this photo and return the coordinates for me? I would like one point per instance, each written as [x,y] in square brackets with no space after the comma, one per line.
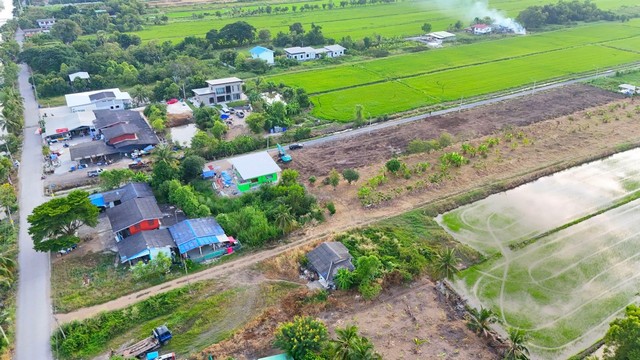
[351,346]
[256,122]
[350,175]
[367,268]
[158,266]
[393,165]
[623,338]
[517,349]
[205,117]
[113,179]
[53,225]
[532,17]
[66,30]
[191,167]
[8,198]
[249,224]
[426,27]
[479,321]
[238,33]
[343,279]
[334,178]
[445,263]
[141,94]
[164,154]
[264,36]
[359,118]
[301,337]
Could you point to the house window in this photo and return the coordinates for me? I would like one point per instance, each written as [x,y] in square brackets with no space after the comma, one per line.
[228,98]
[307,55]
[212,100]
[220,91]
[236,96]
[220,99]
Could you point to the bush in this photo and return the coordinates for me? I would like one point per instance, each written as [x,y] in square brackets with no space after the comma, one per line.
[301,337]
[159,266]
[350,175]
[331,207]
[393,165]
[369,290]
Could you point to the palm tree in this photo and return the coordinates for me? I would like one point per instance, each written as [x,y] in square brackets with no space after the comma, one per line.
[342,347]
[445,263]
[164,153]
[479,321]
[7,270]
[350,346]
[284,220]
[517,349]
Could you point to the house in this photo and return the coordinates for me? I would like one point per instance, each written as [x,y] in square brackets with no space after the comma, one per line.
[327,258]
[480,29]
[262,53]
[46,24]
[65,126]
[254,170]
[79,75]
[31,32]
[300,53]
[220,91]
[333,51]
[134,216]
[116,133]
[442,36]
[202,239]
[145,245]
[111,198]
[110,99]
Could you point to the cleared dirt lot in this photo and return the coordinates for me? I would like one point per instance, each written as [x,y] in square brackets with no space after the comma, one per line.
[381,145]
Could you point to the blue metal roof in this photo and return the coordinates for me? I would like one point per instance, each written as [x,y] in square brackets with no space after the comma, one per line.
[192,233]
[97,200]
[259,50]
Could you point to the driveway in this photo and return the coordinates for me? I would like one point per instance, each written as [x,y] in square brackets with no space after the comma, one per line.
[34,314]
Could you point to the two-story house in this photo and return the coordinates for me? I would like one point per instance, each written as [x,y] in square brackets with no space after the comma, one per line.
[220,91]
[46,24]
[108,99]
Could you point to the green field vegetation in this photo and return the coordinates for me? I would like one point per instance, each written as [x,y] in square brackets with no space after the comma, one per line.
[404,82]
[403,18]
[562,253]
[612,83]
[199,315]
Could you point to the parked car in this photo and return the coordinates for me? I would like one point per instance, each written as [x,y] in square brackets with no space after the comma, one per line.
[68,250]
[94,173]
[232,110]
[240,114]
[295,146]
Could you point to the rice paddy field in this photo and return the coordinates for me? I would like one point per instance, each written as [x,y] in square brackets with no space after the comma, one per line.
[564,253]
[405,82]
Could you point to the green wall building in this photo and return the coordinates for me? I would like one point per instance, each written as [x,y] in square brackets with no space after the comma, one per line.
[254,170]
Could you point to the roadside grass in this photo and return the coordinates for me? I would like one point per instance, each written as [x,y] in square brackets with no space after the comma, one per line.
[611,83]
[198,315]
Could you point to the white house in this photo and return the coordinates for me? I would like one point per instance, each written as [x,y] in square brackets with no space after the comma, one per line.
[79,75]
[220,91]
[46,24]
[108,99]
[300,53]
[334,50]
[309,53]
[480,29]
[262,53]
[442,36]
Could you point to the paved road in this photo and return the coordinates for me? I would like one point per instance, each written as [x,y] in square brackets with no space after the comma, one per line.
[34,300]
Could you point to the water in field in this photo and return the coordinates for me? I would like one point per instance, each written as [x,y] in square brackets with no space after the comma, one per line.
[564,288]
[519,214]
[183,134]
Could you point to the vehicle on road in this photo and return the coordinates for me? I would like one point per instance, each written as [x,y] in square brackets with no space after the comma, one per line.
[295,146]
[95,173]
[159,337]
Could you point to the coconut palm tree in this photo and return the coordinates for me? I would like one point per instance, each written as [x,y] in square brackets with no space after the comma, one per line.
[517,349]
[479,321]
[284,220]
[164,153]
[350,346]
[445,263]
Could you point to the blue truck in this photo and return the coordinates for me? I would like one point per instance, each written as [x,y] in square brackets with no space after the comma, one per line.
[158,338]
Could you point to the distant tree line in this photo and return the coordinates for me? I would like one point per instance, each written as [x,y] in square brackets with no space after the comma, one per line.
[563,13]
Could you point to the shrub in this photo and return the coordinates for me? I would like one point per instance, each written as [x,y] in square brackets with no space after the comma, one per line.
[369,290]
[312,180]
[393,165]
[453,158]
[331,207]
[302,336]
[445,140]
[344,279]
[350,175]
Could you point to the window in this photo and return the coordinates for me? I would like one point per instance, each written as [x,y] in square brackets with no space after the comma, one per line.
[212,100]
[220,99]
[236,96]
[220,91]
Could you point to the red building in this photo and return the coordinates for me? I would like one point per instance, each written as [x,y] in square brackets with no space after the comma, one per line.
[134,216]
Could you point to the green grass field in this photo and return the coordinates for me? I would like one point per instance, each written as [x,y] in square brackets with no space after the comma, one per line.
[564,288]
[403,18]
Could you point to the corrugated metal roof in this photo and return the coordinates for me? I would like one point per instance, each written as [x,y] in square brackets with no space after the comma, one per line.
[136,244]
[328,257]
[251,166]
[259,50]
[192,233]
[132,212]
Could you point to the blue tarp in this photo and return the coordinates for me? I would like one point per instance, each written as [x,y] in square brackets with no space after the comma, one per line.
[97,200]
[207,174]
[226,178]
[152,355]
[148,148]
[193,233]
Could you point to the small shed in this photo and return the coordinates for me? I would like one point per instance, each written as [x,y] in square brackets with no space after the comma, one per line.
[202,239]
[262,53]
[145,244]
[327,258]
[254,170]
[442,35]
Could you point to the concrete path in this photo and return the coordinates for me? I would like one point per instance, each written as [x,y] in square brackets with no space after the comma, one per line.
[34,313]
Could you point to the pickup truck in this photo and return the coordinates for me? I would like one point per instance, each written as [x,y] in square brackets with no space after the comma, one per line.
[94,173]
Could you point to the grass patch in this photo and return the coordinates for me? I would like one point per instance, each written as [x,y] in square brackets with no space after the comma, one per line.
[198,315]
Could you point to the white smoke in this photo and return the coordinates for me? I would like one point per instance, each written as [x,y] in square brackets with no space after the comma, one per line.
[471,9]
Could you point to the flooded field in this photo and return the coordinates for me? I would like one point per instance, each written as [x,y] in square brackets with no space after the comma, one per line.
[563,288]
[183,134]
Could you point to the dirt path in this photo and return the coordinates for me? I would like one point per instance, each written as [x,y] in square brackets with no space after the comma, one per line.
[563,143]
